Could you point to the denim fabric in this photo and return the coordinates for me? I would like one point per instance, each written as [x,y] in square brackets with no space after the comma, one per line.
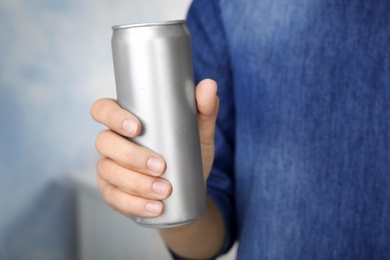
[302,167]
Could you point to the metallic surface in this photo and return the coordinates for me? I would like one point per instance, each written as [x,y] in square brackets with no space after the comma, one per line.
[154,81]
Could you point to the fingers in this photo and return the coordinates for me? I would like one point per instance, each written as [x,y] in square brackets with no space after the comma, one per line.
[129,155]
[132,182]
[128,204]
[128,174]
[107,112]
[131,193]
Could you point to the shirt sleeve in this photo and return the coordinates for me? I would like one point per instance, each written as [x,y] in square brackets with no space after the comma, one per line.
[211,59]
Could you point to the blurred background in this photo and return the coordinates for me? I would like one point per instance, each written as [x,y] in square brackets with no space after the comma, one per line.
[55,61]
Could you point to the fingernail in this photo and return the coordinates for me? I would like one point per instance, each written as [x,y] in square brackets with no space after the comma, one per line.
[153,207]
[130,126]
[155,165]
[160,188]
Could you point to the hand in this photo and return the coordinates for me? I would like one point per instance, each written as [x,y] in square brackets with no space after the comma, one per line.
[128,174]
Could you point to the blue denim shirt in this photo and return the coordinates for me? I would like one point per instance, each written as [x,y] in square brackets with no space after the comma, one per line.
[302,168]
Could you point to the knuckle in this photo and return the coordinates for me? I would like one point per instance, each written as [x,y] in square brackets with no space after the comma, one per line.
[102,167]
[105,191]
[108,197]
[114,115]
[135,155]
[140,185]
[101,140]
[125,205]
[99,165]
[96,107]
[111,196]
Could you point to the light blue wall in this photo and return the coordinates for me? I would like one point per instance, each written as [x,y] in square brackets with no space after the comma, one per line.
[55,60]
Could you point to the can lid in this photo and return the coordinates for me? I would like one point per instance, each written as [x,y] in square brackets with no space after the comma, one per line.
[162,23]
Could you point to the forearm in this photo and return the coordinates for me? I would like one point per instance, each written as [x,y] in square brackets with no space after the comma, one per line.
[199,240]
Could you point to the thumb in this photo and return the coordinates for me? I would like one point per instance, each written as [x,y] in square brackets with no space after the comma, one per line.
[207,103]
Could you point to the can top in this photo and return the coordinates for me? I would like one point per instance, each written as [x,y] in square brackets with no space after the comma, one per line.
[127,26]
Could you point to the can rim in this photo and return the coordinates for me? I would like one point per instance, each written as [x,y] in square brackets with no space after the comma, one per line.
[147,24]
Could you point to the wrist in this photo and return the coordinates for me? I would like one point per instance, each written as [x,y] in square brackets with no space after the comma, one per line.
[201,239]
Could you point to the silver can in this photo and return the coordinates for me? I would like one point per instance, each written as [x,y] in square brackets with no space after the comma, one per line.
[155,82]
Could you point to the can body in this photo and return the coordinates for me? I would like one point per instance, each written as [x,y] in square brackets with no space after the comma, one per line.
[154,81]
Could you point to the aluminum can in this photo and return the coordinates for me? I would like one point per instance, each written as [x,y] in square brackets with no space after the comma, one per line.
[154,81]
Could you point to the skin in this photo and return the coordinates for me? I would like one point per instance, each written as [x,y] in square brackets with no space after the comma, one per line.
[129,180]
